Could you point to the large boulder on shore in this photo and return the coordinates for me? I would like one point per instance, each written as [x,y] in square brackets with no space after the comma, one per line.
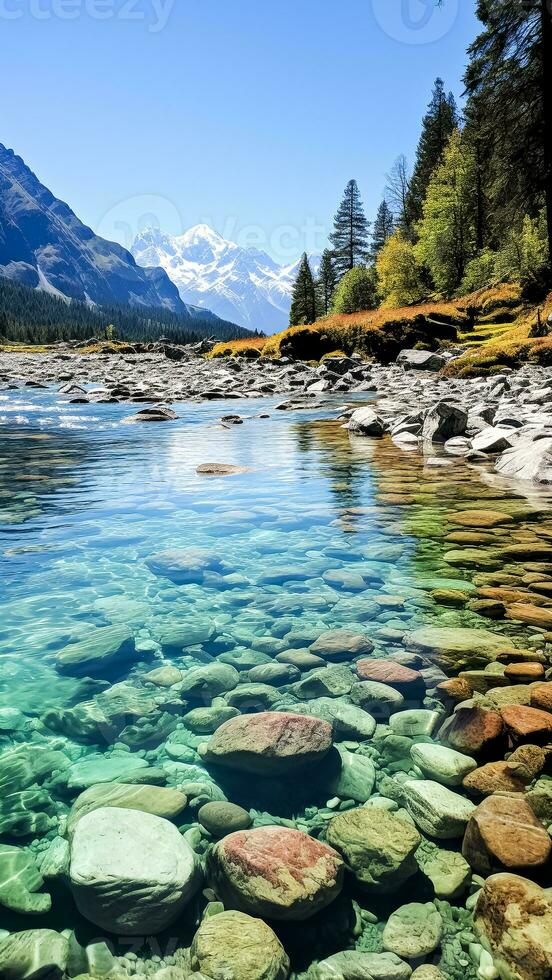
[529,459]
[235,946]
[275,872]
[513,918]
[365,422]
[421,360]
[269,743]
[444,421]
[378,847]
[131,873]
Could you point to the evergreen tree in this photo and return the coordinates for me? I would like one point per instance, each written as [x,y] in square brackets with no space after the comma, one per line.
[384,226]
[509,84]
[438,124]
[350,235]
[356,291]
[326,283]
[448,230]
[303,302]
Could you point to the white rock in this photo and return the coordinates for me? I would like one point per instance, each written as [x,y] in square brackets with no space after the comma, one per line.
[441,763]
[131,873]
[437,810]
[529,460]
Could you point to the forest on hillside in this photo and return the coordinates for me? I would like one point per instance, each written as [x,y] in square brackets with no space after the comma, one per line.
[35,317]
[475,209]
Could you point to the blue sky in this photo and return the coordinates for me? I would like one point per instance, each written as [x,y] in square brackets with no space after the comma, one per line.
[248,115]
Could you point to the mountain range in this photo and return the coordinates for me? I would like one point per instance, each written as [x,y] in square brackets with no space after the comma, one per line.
[198,276]
[45,246]
[244,285]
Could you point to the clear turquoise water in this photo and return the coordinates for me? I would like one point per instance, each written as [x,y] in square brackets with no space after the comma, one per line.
[86,500]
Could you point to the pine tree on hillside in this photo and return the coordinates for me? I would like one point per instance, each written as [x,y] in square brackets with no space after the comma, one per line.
[384,226]
[438,125]
[303,302]
[326,283]
[509,85]
[350,235]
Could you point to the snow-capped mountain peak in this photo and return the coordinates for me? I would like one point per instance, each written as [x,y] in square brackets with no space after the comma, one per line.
[244,285]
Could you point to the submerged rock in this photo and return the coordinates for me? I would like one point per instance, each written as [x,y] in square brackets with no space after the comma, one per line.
[378,846]
[20,881]
[458,648]
[98,652]
[513,918]
[131,873]
[33,954]
[185,565]
[413,931]
[269,743]
[235,946]
[436,809]
[353,965]
[341,645]
[503,832]
[275,872]
[221,818]
[442,764]
[157,800]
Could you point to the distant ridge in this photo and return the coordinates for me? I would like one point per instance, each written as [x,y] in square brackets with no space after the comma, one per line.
[244,285]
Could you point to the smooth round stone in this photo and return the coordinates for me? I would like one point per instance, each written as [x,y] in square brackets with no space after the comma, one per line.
[164,676]
[131,873]
[346,718]
[353,965]
[274,673]
[442,764]
[379,700]
[378,847]
[269,743]
[355,777]
[205,721]
[104,769]
[158,800]
[275,872]
[341,644]
[223,818]
[235,945]
[436,810]
[413,722]
[302,659]
[413,931]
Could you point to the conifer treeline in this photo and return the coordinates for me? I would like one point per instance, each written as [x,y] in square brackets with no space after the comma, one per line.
[35,317]
[476,209]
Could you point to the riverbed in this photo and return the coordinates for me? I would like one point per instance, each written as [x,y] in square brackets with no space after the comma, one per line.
[108,526]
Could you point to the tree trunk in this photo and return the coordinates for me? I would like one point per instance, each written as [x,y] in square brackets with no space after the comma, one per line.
[546,82]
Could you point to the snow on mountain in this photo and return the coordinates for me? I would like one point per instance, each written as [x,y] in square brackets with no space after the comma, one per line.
[44,245]
[244,285]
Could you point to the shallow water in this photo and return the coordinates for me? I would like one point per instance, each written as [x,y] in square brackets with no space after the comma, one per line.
[86,500]
[323,531]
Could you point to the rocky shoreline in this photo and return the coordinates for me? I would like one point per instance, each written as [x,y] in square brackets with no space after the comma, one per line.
[506,418]
[369,800]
